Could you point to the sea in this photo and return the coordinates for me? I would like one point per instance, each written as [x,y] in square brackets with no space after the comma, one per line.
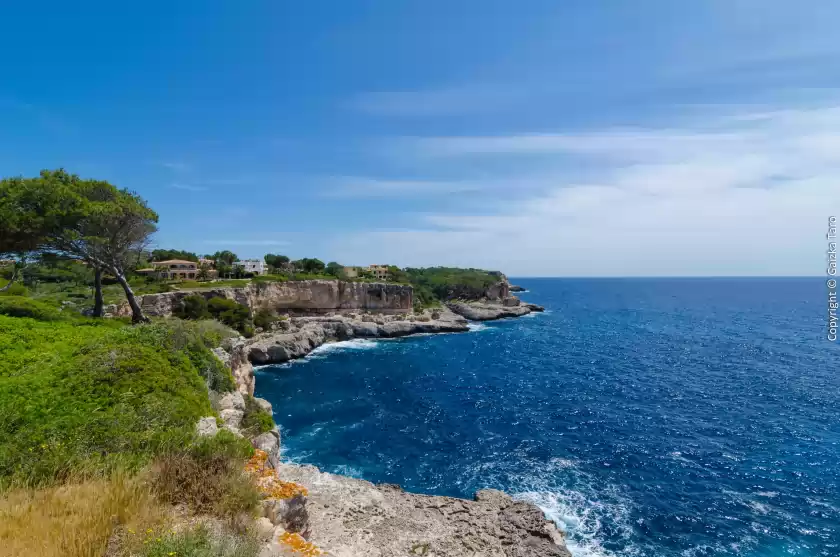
[646,417]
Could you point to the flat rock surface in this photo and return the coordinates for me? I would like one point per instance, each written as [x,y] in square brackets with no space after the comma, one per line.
[304,334]
[488,311]
[355,518]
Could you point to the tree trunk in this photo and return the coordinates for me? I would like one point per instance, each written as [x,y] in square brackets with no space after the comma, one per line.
[98,302]
[136,312]
[11,281]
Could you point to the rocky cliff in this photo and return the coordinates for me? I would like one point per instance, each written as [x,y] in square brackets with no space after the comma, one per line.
[337,516]
[303,297]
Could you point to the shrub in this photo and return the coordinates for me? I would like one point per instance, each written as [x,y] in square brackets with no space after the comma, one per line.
[84,400]
[18,306]
[198,542]
[208,476]
[193,306]
[16,289]
[264,318]
[256,420]
[231,313]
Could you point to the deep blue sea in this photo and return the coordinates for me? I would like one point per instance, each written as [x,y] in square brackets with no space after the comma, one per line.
[647,417]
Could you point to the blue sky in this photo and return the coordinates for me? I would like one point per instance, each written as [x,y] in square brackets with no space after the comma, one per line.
[542,138]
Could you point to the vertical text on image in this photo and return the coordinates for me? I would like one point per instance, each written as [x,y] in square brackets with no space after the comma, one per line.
[831,282]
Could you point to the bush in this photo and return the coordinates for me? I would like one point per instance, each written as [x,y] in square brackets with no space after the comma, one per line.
[256,420]
[84,400]
[199,542]
[18,306]
[193,306]
[208,476]
[16,289]
[231,313]
[264,318]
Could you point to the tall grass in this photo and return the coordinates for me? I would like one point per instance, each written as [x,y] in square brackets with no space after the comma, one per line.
[76,519]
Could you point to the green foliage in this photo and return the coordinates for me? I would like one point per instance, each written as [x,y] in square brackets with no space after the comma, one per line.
[167,254]
[16,289]
[264,318]
[199,542]
[445,283]
[335,269]
[276,261]
[226,257]
[271,278]
[18,306]
[85,399]
[193,306]
[309,265]
[231,313]
[193,285]
[256,420]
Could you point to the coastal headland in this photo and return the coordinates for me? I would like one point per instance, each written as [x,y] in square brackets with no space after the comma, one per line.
[351,517]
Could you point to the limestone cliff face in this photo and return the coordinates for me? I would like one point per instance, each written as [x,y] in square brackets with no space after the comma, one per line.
[305,296]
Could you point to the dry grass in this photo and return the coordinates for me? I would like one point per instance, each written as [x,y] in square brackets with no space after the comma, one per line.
[76,519]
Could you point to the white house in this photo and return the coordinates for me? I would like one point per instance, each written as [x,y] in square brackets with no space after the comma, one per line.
[255,266]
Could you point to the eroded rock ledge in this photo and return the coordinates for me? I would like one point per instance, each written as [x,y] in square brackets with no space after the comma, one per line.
[299,336]
[489,311]
[355,518]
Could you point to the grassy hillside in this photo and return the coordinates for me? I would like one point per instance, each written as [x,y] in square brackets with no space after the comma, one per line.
[83,395]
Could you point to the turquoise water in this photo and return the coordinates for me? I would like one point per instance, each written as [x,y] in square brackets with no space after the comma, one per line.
[679,417]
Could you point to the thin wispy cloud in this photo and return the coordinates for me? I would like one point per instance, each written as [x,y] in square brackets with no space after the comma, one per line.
[186,187]
[748,195]
[438,102]
[176,166]
[262,242]
[376,188]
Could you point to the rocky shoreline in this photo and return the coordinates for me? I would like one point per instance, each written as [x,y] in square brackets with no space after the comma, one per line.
[347,517]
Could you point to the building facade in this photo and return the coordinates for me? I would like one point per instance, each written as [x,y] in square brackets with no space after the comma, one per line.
[176,269]
[254,266]
[379,271]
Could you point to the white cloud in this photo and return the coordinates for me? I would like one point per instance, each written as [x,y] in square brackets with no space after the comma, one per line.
[749,194]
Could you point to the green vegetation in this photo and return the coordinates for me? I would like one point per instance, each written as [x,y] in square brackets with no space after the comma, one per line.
[232,314]
[208,476]
[309,265]
[256,420]
[198,542]
[167,254]
[18,306]
[94,397]
[264,318]
[435,284]
[194,285]
[193,306]
[64,216]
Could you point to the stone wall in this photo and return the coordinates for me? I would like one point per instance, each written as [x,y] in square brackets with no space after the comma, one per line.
[296,297]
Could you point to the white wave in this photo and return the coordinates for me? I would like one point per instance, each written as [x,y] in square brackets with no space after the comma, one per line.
[582,506]
[346,470]
[355,344]
[581,517]
[476,327]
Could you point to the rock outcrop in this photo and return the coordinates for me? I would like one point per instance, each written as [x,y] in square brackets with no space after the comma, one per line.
[301,297]
[488,311]
[304,334]
[516,288]
[350,518]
